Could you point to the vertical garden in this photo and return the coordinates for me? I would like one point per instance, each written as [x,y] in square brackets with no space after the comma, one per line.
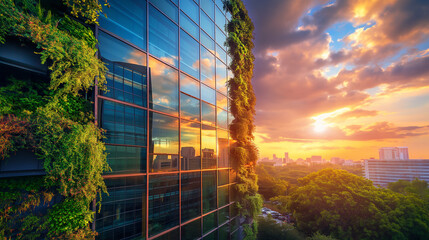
[52,118]
[243,152]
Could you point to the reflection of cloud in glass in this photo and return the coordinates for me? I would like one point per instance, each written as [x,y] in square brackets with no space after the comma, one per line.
[165,134]
[208,138]
[221,101]
[136,57]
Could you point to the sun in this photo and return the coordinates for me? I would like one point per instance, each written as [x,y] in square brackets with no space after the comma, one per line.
[319,127]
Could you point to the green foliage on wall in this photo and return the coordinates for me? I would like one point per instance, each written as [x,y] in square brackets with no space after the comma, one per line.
[243,152]
[52,119]
[346,206]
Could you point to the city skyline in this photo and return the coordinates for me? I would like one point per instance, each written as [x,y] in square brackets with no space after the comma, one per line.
[341,78]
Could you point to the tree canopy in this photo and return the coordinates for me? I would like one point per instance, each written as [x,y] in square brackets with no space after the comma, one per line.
[346,206]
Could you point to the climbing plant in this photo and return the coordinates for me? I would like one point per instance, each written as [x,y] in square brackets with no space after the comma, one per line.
[243,152]
[53,120]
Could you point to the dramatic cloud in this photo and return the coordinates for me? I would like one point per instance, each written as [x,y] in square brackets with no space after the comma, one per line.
[321,64]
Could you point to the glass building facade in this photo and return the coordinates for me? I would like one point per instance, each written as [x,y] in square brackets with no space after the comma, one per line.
[166,116]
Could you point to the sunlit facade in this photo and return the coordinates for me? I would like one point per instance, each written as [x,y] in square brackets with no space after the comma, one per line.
[383,172]
[166,118]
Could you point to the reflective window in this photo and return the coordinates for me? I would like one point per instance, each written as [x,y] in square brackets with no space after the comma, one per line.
[192,230]
[220,38]
[219,3]
[168,8]
[163,37]
[223,146]
[164,90]
[172,235]
[208,7]
[208,94]
[189,86]
[163,202]
[189,26]
[211,236]
[123,124]
[222,118]
[208,114]
[223,196]
[126,159]
[208,42]
[209,222]
[209,191]
[191,195]
[207,25]
[190,107]
[221,77]
[122,210]
[191,9]
[208,146]
[224,232]
[207,67]
[189,55]
[164,134]
[220,19]
[230,118]
[233,193]
[221,101]
[223,177]
[164,162]
[190,145]
[126,70]
[223,215]
[220,53]
[127,19]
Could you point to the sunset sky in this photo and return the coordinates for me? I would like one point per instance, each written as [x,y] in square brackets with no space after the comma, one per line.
[341,78]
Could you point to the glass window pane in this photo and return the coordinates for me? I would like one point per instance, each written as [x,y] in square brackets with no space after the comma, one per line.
[122,210]
[223,215]
[223,177]
[192,230]
[189,55]
[126,159]
[220,19]
[209,191]
[127,19]
[123,124]
[207,25]
[189,26]
[221,77]
[208,42]
[164,90]
[223,146]
[191,147]
[222,118]
[126,75]
[163,37]
[221,54]
[191,195]
[189,85]
[189,107]
[208,114]
[208,94]
[207,67]
[221,101]
[191,9]
[164,162]
[223,196]
[211,236]
[208,7]
[224,232]
[209,222]
[163,202]
[172,235]
[168,8]
[164,134]
[208,146]
[220,38]
[219,3]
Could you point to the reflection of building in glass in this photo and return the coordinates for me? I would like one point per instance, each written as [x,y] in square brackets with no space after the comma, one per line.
[166,119]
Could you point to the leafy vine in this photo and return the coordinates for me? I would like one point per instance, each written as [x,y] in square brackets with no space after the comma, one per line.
[243,152]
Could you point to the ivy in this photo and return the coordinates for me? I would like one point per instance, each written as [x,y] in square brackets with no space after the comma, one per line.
[243,153]
[51,118]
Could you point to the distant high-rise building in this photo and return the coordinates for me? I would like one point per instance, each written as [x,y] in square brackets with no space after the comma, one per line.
[382,172]
[286,160]
[403,153]
[393,153]
[316,159]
